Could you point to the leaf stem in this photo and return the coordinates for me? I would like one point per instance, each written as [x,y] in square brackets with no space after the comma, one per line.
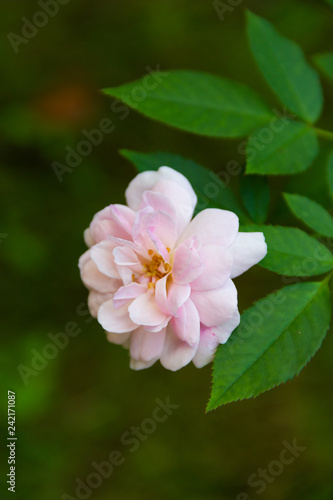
[326,134]
[327,278]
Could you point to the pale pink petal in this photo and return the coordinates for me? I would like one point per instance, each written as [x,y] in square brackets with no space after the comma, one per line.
[126,275]
[159,327]
[119,242]
[144,310]
[146,346]
[216,306]
[171,175]
[224,330]
[217,264]
[159,245]
[152,227]
[93,278]
[161,294]
[118,338]
[160,203]
[125,256]
[166,181]
[139,230]
[187,324]
[137,364]
[213,227]
[181,199]
[115,320]
[187,264]
[247,250]
[115,220]
[102,255]
[96,299]
[163,227]
[176,353]
[88,238]
[124,216]
[206,348]
[127,293]
[177,296]
[141,183]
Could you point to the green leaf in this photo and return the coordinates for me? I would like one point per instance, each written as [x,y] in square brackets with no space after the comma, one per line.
[330,174]
[212,192]
[256,196]
[197,102]
[276,338]
[288,151]
[292,252]
[324,63]
[311,213]
[285,68]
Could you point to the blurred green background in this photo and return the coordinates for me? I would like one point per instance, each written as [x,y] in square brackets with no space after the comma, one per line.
[74,411]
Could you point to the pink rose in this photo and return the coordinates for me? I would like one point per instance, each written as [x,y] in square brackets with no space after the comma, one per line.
[161,284]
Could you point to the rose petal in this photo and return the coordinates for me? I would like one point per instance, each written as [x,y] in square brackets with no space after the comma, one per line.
[141,183]
[88,238]
[217,264]
[187,324]
[187,265]
[206,348]
[93,278]
[115,320]
[213,227]
[166,181]
[146,346]
[177,296]
[144,311]
[127,293]
[216,306]
[115,220]
[137,364]
[118,338]
[96,299]
[224,330]
[176,353]
[247,250]
[102,255]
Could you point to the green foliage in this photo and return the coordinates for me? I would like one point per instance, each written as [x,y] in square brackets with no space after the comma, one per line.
[283,65]
[256,196]
[196,102]
[289,151]
[212,192]
[330,173]
[324,63]
[311,213]
[292,252]
[277,336]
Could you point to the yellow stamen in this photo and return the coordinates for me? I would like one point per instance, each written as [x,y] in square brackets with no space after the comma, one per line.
[151,285]
[150,252]
[133,277]
[168,249]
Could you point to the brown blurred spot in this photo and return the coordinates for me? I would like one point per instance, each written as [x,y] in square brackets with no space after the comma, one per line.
[72,104]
